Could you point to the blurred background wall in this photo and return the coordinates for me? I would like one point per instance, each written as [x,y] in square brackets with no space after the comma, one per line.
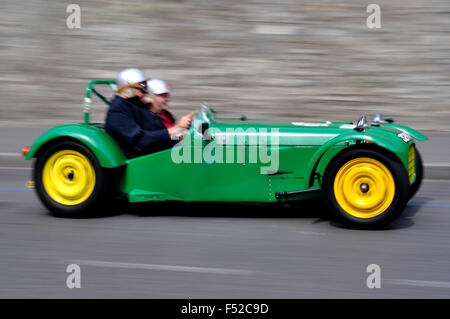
[270,60]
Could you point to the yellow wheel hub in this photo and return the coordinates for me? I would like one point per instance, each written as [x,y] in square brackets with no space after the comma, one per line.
[68,177]
[364,187]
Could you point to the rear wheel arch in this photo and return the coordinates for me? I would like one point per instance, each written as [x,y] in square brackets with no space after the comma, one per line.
[105,148]
[112,159]
[51,142]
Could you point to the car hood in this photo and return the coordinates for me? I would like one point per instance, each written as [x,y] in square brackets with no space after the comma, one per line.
[300,133]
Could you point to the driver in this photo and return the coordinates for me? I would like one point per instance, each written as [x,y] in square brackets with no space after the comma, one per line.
[161,92]
[159,98]
[137,129]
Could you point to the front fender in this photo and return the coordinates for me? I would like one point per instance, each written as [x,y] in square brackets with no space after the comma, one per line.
[413,133]
[396,146]
[105,149]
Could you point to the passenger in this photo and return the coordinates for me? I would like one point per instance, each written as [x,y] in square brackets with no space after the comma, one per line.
[137,129]
[161,91]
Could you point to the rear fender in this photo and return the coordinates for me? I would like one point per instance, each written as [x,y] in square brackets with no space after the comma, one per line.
[105,149]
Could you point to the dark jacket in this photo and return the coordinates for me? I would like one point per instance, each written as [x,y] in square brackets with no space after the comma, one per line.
[136,129]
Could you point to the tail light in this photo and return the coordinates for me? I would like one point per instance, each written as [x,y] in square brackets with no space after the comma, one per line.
[25,150]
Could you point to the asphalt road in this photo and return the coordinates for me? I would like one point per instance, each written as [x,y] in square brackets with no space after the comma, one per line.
[220,251]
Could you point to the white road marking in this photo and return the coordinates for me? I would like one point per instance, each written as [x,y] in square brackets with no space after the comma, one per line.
[10,154]
[437,164]
[15,167]
[419,283]
[309,233]
[205,270]
[437,180]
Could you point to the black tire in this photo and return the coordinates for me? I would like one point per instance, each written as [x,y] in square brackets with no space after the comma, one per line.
[87,207]
[414,187]
[385,214]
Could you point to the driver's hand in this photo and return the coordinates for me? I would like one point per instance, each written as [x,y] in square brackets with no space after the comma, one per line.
[185,121]
[177,133]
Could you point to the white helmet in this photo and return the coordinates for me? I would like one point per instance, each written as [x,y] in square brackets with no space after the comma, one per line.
[157,86]
[131,78]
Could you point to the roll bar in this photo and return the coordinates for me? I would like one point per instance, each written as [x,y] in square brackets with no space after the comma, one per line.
[90,89]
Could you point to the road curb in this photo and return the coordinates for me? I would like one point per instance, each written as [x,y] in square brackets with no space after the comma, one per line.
[14,161]
[431,170]
[437,172]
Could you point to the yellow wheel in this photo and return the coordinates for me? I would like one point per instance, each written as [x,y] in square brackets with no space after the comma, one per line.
[365,188]
[68,177]
[69,180]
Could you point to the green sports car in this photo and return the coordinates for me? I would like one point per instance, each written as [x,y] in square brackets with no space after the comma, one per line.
[365,172]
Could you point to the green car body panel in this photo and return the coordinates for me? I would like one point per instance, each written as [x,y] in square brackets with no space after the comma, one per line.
[98,141]
[303,152]
[236,174]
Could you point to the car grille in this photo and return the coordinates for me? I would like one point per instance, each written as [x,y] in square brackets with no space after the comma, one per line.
[411,163]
